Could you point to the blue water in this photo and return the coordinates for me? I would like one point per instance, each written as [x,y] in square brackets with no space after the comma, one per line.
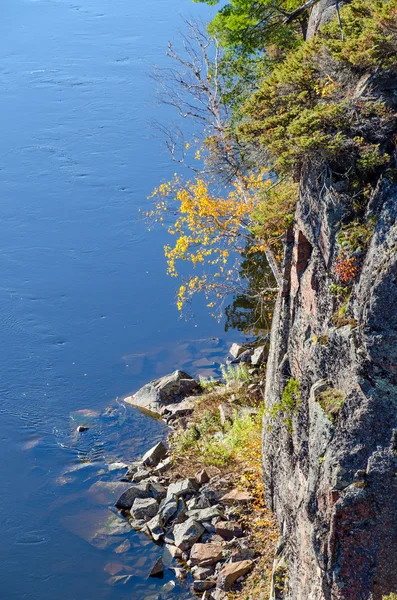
[87,313]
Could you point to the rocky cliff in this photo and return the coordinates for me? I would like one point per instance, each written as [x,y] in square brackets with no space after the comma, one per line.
[330,431]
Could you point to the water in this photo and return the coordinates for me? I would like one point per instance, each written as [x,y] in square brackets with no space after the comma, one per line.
[87,313]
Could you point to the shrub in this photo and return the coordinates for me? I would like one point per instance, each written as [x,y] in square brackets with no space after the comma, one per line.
[289,403]
[331,401]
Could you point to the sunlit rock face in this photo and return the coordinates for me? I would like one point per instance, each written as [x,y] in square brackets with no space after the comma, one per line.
[331,475]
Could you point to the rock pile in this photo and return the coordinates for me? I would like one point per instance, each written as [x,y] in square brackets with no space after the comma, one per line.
[193,518]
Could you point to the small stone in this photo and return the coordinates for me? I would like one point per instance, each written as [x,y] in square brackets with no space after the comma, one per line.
[169,587]
[156,454]
[201,573]
[202,477]
[225,413]
[118,466]
[182,487]
[138,524]
[180,573]
[163,466]
[187,533]
[236,496]
[158,569]
[205,555]
[228,529]
[140,475]
[82,428]
[206,514]
[231,572]
[198,502]
[235,350]
[144,508]
[202,586]
[126,499]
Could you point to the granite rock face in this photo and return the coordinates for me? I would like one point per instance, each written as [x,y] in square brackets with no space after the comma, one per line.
[331,478]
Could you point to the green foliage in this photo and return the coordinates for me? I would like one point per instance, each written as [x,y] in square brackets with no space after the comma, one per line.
[250,27]
[208,383]
[289,403]
[356,235]
[235,373]
[304,111]
[339,291]
[390,597]
[206,438]
[331,401]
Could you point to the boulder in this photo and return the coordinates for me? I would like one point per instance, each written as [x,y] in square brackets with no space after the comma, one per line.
[198,502]
[157,490]
[156,454]
[144,508]
[228,529]
[182,487]
[167,390]
[259,355]
[155,528]
[236,497]
[205,555]
[235,350]
[168,508]
[187,533]
[127,498]
[231,572]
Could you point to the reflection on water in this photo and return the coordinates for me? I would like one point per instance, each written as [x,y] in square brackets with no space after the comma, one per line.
[87,313]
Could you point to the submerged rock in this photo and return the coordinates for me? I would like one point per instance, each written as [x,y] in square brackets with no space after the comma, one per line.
[167,390]
[158,569]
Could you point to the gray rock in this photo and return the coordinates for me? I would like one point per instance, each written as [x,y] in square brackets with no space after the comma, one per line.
[182,487]
[187,533]
[168,508]
[155,455]
[166,390]
[140,475]
[235,350]
[127,498]
[180,409]
[82,428]
[198,502]
[202,586]
[206,514]
[244,357]
[260,355]
[225,413]
[144,508]
[163,466]
[155,528]
[201,573]
[157,490]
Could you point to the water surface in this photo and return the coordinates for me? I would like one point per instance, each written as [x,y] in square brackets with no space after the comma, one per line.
[87,313]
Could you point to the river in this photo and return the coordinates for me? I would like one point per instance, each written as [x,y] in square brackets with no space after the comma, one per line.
[87,313]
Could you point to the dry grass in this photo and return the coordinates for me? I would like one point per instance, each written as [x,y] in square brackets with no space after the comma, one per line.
[241,467]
